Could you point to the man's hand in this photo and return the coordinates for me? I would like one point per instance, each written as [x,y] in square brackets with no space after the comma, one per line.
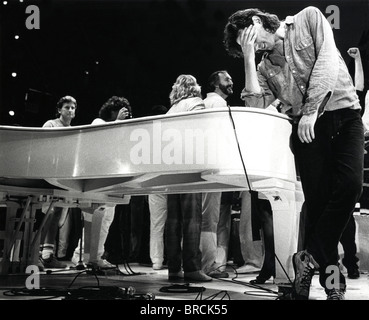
[246,39]
[305,129]
[123,114]
[354,53]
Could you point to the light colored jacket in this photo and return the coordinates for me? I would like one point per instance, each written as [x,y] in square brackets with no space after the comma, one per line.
[188,104]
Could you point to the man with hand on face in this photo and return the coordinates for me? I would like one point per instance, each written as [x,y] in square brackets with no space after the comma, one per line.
[302,68]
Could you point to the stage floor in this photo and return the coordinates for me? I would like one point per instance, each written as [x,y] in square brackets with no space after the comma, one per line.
[148,282]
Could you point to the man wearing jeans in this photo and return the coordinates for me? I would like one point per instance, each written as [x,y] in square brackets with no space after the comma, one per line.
[302,68]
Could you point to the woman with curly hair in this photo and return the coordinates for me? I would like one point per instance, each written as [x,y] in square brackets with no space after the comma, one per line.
[116,108]
[185,95]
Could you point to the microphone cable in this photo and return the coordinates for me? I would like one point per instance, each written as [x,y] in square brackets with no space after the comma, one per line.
[247,179]
[239,148]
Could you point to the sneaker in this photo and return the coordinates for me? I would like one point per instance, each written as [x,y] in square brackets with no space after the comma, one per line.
[102,264]
[157,266]
[353,273]
[304,266]
[336,294]
[52,262]
[260,280]
[247,268]
[218,274]
[352,267]
[199,276]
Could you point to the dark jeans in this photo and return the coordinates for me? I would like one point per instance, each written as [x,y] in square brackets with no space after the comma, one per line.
[140,230]
[349,245]
[128,236]
[182,232]
[117,243]
[265,216]
[331,171]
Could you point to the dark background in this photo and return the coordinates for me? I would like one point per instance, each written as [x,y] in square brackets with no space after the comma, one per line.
[141,47]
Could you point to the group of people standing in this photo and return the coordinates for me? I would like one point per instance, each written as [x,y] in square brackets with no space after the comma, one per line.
[205,218]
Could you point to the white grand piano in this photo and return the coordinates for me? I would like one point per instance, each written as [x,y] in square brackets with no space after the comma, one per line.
[196,151]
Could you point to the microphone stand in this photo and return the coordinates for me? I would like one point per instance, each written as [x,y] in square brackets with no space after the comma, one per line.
[80,264]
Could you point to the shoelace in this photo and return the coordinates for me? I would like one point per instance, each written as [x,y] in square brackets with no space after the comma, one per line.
[335,294]
[306,277]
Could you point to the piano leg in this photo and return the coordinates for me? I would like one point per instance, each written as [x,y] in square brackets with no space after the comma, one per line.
[7,235]
[17,255]
[286,204]
[31,254]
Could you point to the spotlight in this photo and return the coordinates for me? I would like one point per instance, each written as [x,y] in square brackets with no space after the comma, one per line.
[14,74]
[11,113]
[16,37]
[5,3]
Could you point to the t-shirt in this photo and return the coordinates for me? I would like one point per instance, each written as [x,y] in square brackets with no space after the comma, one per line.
[214,100]
[54,123]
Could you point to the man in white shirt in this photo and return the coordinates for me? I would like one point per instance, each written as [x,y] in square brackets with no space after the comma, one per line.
[216,218]
[221,87]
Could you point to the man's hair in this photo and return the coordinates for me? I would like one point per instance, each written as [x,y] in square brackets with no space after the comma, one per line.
[158,109]
[241,19]
[213,80]
[114,104]
[62,101]
[185,87]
